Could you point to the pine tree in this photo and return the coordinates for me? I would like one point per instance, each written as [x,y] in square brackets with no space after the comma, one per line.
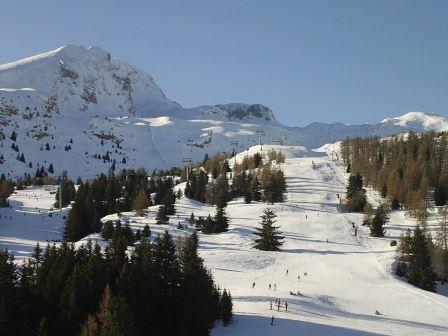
[162,217]
[9,308]
[191,220]
[200,297]
[440,195]
[221,221]
[169,199]
[395,204]
[209,225]
[146,233]
[356,198]
[248,196]
[108,230]
[51,169]
[421,273]
[37,255]
[275,186]
[403,252]
[255,189]
[226,307]
[270,239]
[82,218]
[221,192]
[379,220]
[258,160]
[167,282]
[138,235]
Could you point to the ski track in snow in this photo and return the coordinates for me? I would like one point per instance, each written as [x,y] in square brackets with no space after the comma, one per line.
[349,278]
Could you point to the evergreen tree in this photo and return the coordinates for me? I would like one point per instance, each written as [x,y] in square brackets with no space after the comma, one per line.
[169,199]
[209,225]
[200,297]
[275,187]
[146,233]
[226,307]
[162,217]
[441,192]
[258,160]
[421,273]
[255,189]
[221,192]
[13,136]
[221,221]
[270,239]
[248,196]
[108,230]
[138,235]
[9,305]
[191,220]
[403,252]
[167,282]
[119,321]
[379,220]
[395,204]
[68,192]
[51,169]
[82,218]
[356,198]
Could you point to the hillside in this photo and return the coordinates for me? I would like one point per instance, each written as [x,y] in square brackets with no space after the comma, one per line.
[85,112]
[348,278]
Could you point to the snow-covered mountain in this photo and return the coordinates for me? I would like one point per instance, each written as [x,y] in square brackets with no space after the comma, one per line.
[81,110]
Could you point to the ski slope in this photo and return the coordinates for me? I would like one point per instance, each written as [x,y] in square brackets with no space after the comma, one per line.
[29,220]
[348,278]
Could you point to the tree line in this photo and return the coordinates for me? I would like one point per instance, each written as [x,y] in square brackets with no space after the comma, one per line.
[108,194]
[86,291]
[215,183]
[410,172]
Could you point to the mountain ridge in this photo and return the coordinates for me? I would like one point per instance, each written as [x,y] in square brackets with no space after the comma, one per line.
[86,112]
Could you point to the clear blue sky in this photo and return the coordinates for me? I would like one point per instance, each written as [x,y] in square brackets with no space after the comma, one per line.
[351,61]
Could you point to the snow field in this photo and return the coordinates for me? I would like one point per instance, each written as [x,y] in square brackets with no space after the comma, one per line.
[349,278]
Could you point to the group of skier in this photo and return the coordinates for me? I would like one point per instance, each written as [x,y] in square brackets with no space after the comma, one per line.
[278,302]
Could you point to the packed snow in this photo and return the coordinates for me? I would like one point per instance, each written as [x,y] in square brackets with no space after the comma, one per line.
[342,281]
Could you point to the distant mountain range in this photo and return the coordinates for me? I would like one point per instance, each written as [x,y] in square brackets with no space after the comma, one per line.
[86,112]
